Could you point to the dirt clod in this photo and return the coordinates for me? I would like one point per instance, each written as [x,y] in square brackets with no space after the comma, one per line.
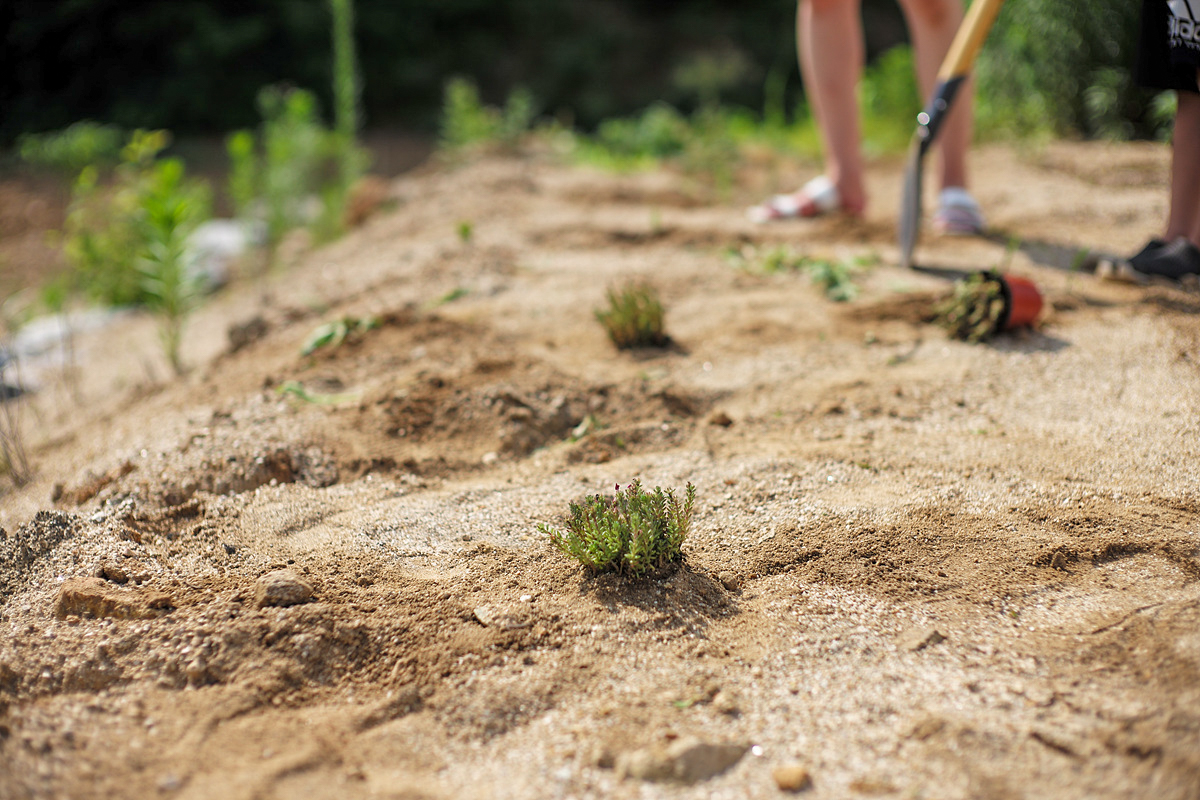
[920,638]
[686,760]
[503,616]
[94,598]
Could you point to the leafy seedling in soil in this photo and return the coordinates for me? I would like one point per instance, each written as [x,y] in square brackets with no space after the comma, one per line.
[834,277]
[634,317]
[589,424]
[974,311]
[631,533]
[457,293]
[297,390]
[332,335]
[465,230]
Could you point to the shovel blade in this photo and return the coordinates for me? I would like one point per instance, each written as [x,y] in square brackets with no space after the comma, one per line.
[929,124]
[910,201]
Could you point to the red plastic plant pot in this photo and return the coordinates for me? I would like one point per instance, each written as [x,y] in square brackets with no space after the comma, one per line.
[1022,302]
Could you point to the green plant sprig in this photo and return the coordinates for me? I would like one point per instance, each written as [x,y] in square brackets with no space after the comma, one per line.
[332,335]
[633,532]
[634,317]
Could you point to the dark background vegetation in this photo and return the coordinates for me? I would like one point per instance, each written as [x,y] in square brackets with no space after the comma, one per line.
[196,66]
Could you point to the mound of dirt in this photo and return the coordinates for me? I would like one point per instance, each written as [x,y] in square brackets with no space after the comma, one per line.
[918,567]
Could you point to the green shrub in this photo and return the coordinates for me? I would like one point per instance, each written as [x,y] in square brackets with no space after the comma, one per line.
[296,172]
[346,90]
[658,132]
[634,317]
[467,121]
[108,232]
[295,147]
[631,533]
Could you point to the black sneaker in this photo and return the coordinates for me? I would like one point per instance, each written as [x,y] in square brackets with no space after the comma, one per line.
[1149,251]
[1173,260]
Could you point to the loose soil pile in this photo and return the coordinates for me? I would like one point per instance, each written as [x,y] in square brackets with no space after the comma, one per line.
[919,568]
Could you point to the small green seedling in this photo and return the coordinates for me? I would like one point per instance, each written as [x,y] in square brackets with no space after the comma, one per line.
[465,230]
[332,335]
[457,293]
[589,424]
[297,390]
[634,317]
[631,533]
[973,312]
[835,277]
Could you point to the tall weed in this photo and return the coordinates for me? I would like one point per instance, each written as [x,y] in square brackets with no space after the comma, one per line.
[170,209]
[102,238]
[295,172]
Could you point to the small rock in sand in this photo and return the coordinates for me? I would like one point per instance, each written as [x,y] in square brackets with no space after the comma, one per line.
[791,778]
[281,587]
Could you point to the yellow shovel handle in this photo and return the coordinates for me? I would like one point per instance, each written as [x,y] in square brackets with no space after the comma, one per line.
[970,37]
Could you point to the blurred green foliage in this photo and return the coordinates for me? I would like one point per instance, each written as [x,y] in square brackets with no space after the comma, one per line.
[79,145]
[292,172]
[467,121]
[1057,68]
[116,222]
[197,66]
[1065,68]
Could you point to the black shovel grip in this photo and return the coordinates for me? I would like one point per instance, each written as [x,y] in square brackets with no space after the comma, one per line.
[929,121]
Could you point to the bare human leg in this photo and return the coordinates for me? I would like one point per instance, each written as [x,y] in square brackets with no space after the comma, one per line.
[830,43]
[1184,216]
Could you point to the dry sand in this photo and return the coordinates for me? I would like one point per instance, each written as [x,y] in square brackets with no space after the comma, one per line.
[919,568]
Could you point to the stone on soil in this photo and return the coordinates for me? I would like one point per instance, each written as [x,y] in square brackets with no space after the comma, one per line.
[791,778]
[281,587]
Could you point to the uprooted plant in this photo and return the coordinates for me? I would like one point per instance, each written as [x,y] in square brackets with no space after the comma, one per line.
[634,317]
[974,311]
[633,532]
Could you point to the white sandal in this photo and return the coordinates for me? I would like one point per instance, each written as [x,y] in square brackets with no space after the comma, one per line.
[818,196]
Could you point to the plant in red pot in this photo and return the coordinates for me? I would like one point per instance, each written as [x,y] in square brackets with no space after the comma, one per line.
[986,303]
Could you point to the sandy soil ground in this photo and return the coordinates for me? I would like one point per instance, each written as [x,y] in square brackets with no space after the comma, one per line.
[919,568]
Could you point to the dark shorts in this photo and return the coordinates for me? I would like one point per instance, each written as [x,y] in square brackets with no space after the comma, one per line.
[1169,47]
